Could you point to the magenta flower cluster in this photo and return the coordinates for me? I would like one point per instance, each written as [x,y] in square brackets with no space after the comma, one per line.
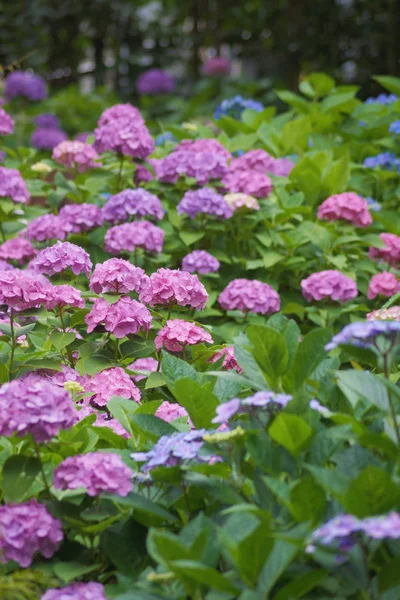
[249,296]
[168,287]
[132,203]
[204,201]
[18,249]
[62,256]
[28,529]
[125,317]
[346,207]
[118,276]
[143,364]
[249,182]
[383,284]
[217,65]
[6,122]
[204,145]
[200,165]
[98,472]
[178,333]
[78,218]
[229,362]
[129,236]
[200,261]
[155,81]
[21,290]
[261,161]
[169,411]
[58,296]
[13,186]
[111,382]
[77,591]
[76,155]
[329,284]
[47,227]
[390,253]
[36,407]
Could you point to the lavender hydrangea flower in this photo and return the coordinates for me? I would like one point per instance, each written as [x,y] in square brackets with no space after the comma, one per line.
[172,450]
[98,472]
[330,284]
[58,296]
[382,99]
[201,262]
[204,201]
[395,127]
[249,296]
[171,286]
[77,591]
[155,81]
[125,317]
[61,256]
[47,121]
[4,266]
[21,289]
[204,145]
[81,217]
[27,85]
[364,333]
[189,162]
[6,122]
[47,138]
[121,129]
[119,276]
[248,182]
[47,227]
[28,529]
[119,111]
[17,249]
[252,404]
[129,236]
[384,160]
[39,408]
[13,186]
[132,203]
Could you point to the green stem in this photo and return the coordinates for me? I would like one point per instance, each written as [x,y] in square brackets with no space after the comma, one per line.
[3,237]
[116,354]
[120,172]
[46,483]
[391,403]
[68,349]
[13,344]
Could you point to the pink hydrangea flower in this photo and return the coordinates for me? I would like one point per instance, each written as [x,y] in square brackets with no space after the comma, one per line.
[201,166]
[248,182]
[103,420]
[119,276]
[76,155]
[61,256]
[47,227]
[383,284]
[132,203]
[20,290]
[125,317]
[238,201]
[4,266]
[329,284]
[112,382]
[203,145]
[253,160]
[204,201]
[119,111]
[346,207]
[169,286]
[390,253]
[127,237]
[155,81]
[13,186]
[229,363]
[178,333]
[387,314]
[281,167]
[201,262]
[28,529]
[17,249]
[81,217]
[168,411]
[249,296]
[6,122]
[63,295]
[77,591]
[36,407]
[124,135]
[143,364]
[217,65]
[98,472]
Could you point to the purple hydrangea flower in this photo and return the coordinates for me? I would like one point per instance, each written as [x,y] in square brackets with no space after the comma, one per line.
[249,296]
[204,201]
[47,138]
[4,266]
[249,182]
[98,472]
[32,87]
[28,529]
[201,262]
[260,401]
[155,81]
[77,591]
[171,286]
[6,122]
[47,121]
[204,145]
[363,333]
[39,408]
[217,65]
[129,236]
[330,284]
[188,162]
[111,382]
[13,186]
[177,334]
[119,276]
[18,249]
[47,227]
[125,317]
[21,289]
[58,296]
[132,203]
[123,132]
[81,217]
[119,111]
[61,256]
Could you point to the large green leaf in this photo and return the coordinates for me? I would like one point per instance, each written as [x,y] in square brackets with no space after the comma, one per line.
[199,401]
[372,492]
[204,575]
[291,432]
[356,385]
[270,350]
[18,476]
[389,82]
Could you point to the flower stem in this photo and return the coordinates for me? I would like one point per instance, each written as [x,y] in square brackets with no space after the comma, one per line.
[3,237]
[37,452]
[116,350]
[13,343]
[391,403]
[120,172]
[69,352]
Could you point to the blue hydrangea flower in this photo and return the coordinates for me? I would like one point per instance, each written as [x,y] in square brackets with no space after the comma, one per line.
[395,127]
[163,138]
[382,99]
[384,160]
[234,107]
[373,204]
[364,333]
[260,401]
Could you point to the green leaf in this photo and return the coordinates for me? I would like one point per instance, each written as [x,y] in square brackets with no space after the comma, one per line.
[61,340]
[299,103]
[122,409]
[191,237]
[307,177]
[144,507]
[372,492]
[154,380]
[302,584]
[307,500]
[336,178]
[309,355]
[199,401]
[270,350]
[18,475]
[357,384]
[336,101]
[68,571]
[173,368]
[291,432]
[204,575]
[389,83]
[389,574]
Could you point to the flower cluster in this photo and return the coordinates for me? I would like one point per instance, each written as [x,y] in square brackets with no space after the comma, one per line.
[21,290]
[234,107]
[395,127]
[76,155]
[329,284]
[163,138]
[217,65]
[132,203]
[77,591]
[61,256]
[384,160]
[239,200]
[248,182]
[119,276]
[143,364]
[36,407]
[6,122]
[47,227]
[80,217]
[178,333]
[373,204]
[386,314]
[111,382]
[13,186]
[119,111]
[129,236]
[58,296]
[383,284]
[346,207]
[362,334]
[259,160]
[390,253]
[98,472]
[27,85]
[200,165]
[204,145]
[253,404]
[168,411]
[200,261]
[125,317]
[204,201]
[28,529]
[47,121]
[229,363]
[382,99]
[155,81]
[168,286]
[18,249]
[249,296]
[47,138]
